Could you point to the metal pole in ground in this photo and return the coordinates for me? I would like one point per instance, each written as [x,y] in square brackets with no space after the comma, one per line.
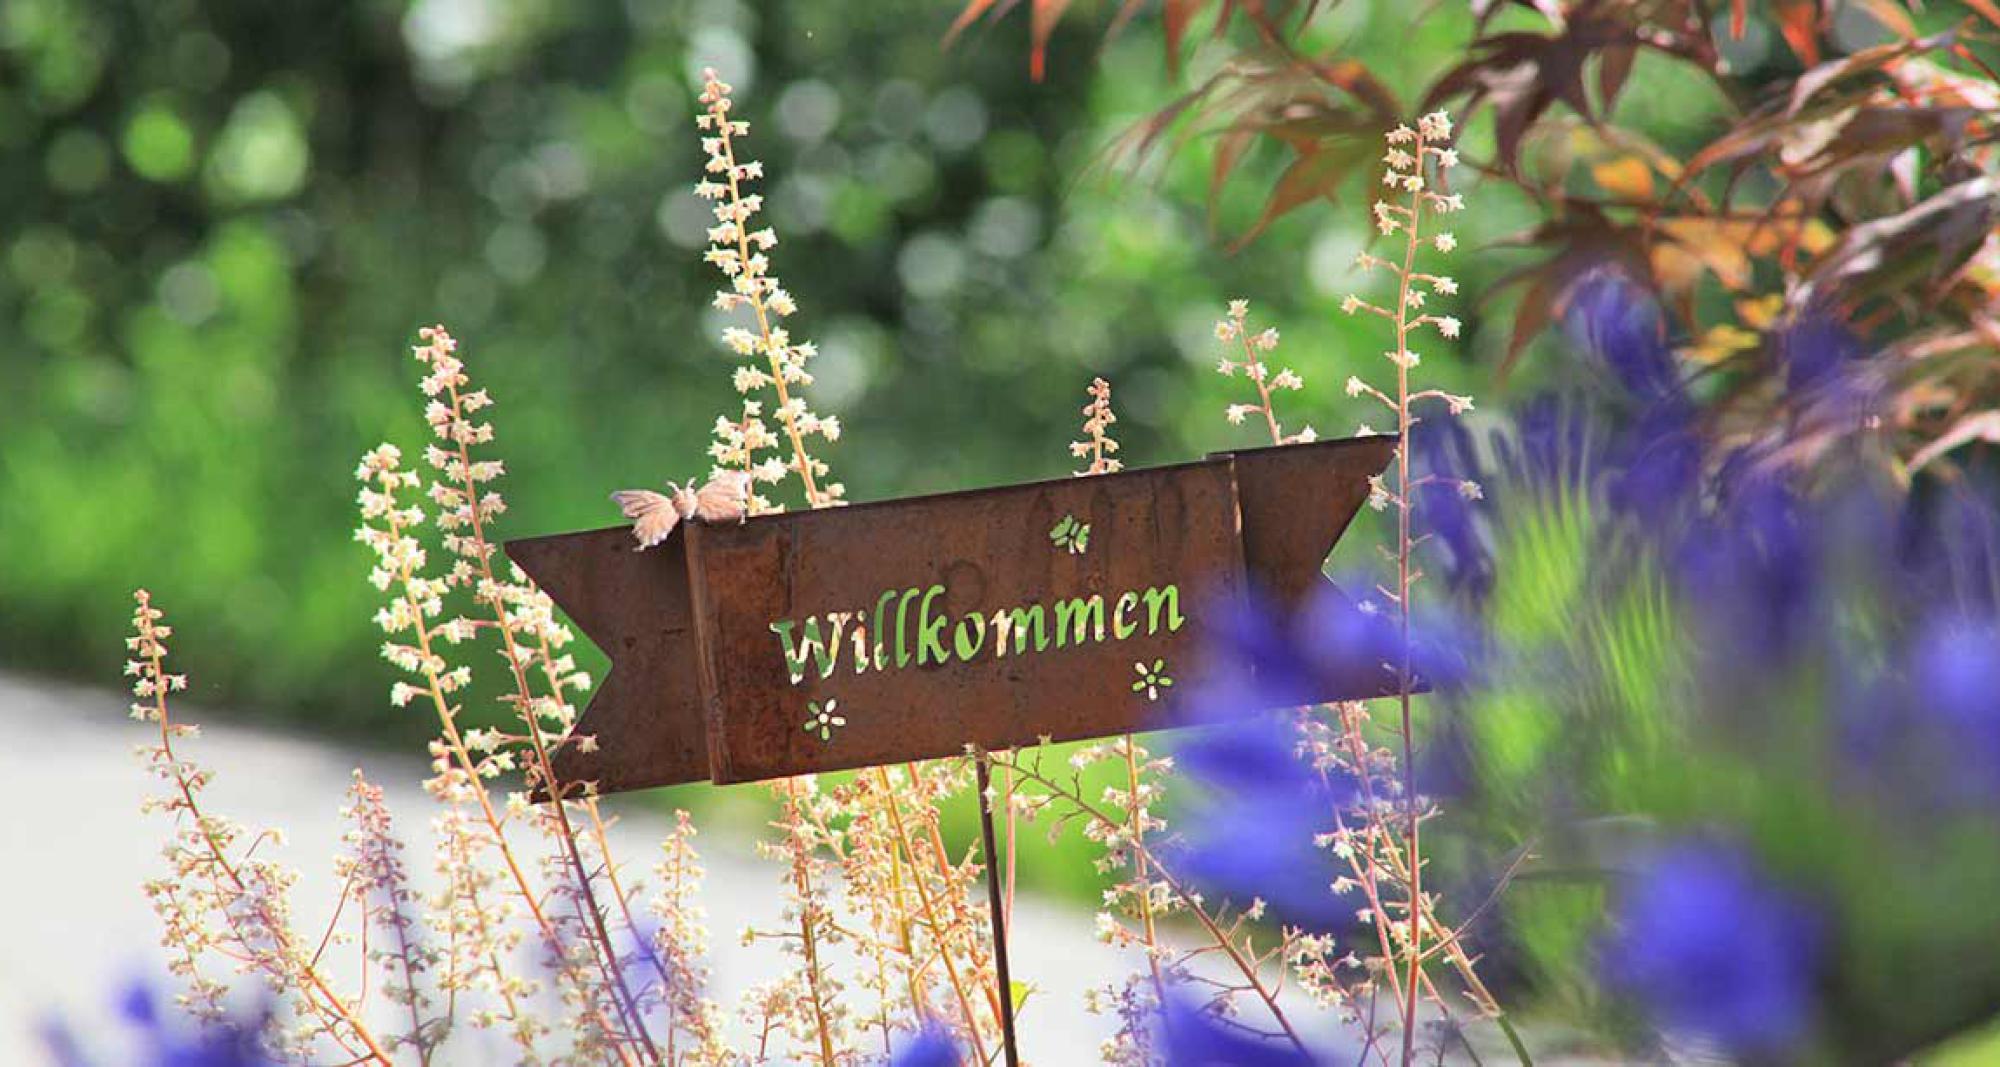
[999,907]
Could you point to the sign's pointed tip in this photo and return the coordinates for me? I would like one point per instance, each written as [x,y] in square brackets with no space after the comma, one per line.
[1296,501]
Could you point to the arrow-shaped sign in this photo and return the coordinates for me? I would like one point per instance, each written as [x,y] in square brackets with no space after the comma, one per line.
[907,629]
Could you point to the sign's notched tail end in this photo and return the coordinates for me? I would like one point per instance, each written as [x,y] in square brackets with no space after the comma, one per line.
[635,607]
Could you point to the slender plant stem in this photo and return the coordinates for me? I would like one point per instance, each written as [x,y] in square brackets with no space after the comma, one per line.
[808,919]
[318,993]
[1140,875]
[606,951]
[939,930]
[1413,832]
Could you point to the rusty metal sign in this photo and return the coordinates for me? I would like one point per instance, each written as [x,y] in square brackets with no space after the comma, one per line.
[908,629]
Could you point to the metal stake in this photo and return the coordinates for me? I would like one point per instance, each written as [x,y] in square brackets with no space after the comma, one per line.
[999,906]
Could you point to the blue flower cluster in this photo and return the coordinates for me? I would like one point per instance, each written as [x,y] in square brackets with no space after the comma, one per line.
[154,1039]
[1715,950]
[1829,693]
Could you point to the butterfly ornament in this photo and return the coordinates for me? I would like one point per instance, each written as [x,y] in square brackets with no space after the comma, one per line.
[724,498]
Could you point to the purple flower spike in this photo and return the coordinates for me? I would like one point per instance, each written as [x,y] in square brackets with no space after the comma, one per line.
[1956,676]
[1553,446]
[933,1047]
[1617,323]
[1712,950]
[1446,455]
[1191,1037]
[1246,852]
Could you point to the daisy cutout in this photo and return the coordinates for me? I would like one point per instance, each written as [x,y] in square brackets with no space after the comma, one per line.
[1152,679]
[824,722]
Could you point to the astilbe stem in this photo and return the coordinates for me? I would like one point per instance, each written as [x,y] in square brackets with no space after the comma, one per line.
[890,867]
[1311,961]
[680,943]
[1381,852]
[1132,1043]
[939,888]
[778,363]
[235,906]
[809,997]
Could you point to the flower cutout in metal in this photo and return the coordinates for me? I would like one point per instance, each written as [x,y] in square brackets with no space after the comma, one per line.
[824,722]
[1152,679]
[1071,534]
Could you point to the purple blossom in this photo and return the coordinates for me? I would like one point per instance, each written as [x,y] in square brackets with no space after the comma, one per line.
[1619,328]
[1248,757]
[156,1041]
[1812,349]
[1361,639]
[1710,948]
[1754,572]
[1266,805]
[1192,1037]
[1655,466]
[1553,445]
[1954,676]
[1247,852]
[932,1047]
[1947,551]
[1446,459]
[1255,835]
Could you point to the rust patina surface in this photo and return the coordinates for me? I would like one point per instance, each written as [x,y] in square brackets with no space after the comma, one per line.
[907,629]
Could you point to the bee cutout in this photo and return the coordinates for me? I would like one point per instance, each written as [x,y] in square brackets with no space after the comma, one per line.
[725,498]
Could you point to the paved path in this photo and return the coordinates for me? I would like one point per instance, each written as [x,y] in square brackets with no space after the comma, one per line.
[76,849]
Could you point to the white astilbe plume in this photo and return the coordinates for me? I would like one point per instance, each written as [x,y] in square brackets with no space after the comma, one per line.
[489,876]
[775,361]
[378,883]
[1234,331]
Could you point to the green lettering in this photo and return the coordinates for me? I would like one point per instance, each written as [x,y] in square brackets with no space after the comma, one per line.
[1079,619]
[930,640]
[968,649]
[1170,598]
[902,611]
[1017,621]
[881,629]
[860,635]
[809,645]
[1121,626]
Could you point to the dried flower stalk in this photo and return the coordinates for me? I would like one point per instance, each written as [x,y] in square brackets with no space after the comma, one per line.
[221,899]
[1235,328]
[1097,445]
